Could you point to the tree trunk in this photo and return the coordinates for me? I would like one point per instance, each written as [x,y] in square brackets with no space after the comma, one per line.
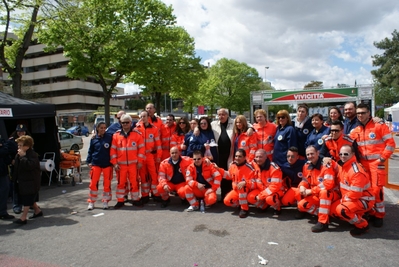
[158,102]
[17,84]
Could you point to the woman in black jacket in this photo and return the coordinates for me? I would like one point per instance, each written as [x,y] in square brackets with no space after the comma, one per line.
[27,176]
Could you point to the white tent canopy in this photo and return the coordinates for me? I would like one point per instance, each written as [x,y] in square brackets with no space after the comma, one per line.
[390,109]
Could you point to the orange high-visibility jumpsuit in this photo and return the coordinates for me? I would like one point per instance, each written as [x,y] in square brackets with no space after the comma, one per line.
[248,143]
[269,186]
[153,151]
[127,150]
[210,176]
[322,181]
[166,138]
[238,173]
[357,194]
[375,141]
[167,175]
[177,140]
[334,146]
[265,136]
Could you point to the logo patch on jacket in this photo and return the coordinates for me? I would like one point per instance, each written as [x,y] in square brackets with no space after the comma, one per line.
[106,145]
[320,141]
[320,179]
[372,135]
[133,143]
[243,143]
[305,131]
[300,174]
[280,137]
[151,136]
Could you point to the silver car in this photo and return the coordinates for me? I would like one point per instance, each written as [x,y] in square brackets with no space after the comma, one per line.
[69,141]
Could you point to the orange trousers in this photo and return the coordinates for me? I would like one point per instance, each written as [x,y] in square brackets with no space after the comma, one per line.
[265,200]
[378,177]
[127,173]
[352,212]
[148,176]
[95,174]
[291,197]
[192,193]
[237,197]
[319,205]
[179,188]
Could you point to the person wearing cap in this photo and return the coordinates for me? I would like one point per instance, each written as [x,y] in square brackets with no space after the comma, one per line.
[20,130]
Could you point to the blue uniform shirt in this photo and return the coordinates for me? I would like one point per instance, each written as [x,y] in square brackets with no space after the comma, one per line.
[285,138]
[99,151]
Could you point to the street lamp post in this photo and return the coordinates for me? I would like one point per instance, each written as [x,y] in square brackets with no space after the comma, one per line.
[265,73]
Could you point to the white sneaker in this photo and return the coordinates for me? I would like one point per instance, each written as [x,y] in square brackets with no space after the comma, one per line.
[105,205]
[91,206]
[192,208]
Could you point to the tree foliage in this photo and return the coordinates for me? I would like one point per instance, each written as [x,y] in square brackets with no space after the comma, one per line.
[107,40]
[387,75]
[24,15]
[314,85]
[228,84]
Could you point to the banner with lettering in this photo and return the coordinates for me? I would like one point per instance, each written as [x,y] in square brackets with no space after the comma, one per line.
[311,95]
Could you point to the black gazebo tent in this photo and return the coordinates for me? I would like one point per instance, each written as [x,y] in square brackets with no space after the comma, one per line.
[39,118]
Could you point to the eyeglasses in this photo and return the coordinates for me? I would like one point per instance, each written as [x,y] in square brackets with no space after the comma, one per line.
[125,122]
[361,113]
[280,118]
[182,122]
[197,159]
[334,131]
[343,154]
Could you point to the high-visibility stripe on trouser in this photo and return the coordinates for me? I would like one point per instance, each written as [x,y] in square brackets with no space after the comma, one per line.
[95,174]
[178,188]
[378,179]
[309,204]
[148,175]
[326,198]
[252,200]
[379,206]
[127,173]
[231,199]
[193,193]
[291,197]
[352,212]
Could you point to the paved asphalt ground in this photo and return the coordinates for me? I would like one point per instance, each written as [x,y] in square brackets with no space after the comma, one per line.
[69,235]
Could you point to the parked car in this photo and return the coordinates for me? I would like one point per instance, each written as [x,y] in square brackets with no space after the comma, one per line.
[69,141]
[75,130]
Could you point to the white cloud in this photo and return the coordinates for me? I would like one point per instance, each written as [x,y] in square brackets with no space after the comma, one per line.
[331,41]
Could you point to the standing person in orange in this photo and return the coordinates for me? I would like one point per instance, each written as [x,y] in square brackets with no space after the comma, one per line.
[203,180]
[375,145]
[357,195]
[243,176]
[269,183]
[98,160]
[318,189]
[167,131]
[153,154]
[153,119]
[171,176]
[182,128]
[127,157]
[265,132]
[242,140]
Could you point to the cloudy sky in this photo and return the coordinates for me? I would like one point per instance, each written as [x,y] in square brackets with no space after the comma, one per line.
[300,41]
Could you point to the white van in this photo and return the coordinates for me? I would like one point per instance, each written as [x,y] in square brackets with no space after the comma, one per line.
[101,118]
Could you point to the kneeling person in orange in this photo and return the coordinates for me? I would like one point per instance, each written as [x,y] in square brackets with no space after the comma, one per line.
[127,156]
[319,189]
[98,159]
[269,183]
[171,176]
[357,195]
[202,182]
[243,176]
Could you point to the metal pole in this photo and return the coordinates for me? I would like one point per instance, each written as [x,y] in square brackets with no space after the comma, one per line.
[265,73]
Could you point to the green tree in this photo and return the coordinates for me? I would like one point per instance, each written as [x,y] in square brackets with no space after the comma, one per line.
[171,68]
[107,40]
[387,75]
[24,15]
[314,85]
[228,84]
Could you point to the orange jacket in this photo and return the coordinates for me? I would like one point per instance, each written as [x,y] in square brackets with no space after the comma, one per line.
[354,182]
[166,136]
[158,123]
[374,141]
[245,173]
[165,172]
[265,136]
[177,140]
[127,149]
[152,141]
[248,143]
[333,146]
[270,178]
[318,177]
[209,172]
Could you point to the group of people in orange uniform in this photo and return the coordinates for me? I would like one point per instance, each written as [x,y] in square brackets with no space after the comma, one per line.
[340,172]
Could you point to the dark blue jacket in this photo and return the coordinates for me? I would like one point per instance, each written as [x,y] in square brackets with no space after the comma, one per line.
[114,127]
[302,135]
[99,151]
[293,172]
[349,125]
[314,138]
[285,138]
[197,143]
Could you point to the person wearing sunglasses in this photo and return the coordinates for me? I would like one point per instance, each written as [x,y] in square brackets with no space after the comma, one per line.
[375,145]
[182,128]
[203,180]
[127,157]
[357,193]
[285,137]
[153,153]
[318,189]
[167,131]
